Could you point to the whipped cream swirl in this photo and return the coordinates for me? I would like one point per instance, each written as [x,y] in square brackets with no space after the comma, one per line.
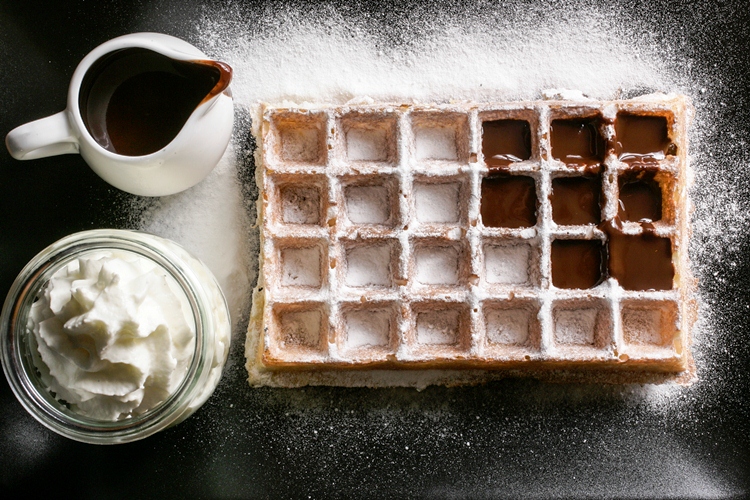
[114,334]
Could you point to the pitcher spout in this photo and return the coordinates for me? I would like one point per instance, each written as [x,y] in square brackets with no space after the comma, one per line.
[225,78]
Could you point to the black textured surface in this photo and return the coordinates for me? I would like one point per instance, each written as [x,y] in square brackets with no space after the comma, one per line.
[510,439]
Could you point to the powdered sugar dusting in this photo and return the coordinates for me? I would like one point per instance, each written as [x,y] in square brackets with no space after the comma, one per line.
[438,143]
[442,60]
[473,58]
[507,264]
[437,327]
[437,203]
[211,221]
[508,326]
[300,266]
[436,265]
[300,205]
[369,145]
[367,204]
[575,326]
[368,266]
[483,53]
[367,328]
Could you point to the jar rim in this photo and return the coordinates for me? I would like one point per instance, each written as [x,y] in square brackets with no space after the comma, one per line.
[15,346]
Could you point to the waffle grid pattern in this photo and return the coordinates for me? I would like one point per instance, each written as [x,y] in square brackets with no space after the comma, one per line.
[375,254]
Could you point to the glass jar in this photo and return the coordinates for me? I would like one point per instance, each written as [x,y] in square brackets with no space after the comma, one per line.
[207,311]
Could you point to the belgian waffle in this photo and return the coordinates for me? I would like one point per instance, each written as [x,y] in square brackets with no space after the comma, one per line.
[404,245]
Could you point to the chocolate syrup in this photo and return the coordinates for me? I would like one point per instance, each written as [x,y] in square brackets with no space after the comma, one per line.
[576,200]
[642,139]
[577,263]
[640,196]
[505,142]
[508,201]
[638,261]
[134,101]
[641,262]
[577,141]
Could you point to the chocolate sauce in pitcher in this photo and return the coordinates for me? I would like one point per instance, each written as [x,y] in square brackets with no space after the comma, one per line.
[134,101]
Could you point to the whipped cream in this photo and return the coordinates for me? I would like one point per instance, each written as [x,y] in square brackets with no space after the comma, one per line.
[114,334]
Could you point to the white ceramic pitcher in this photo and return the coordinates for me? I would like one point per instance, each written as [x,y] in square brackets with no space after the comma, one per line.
[180,160]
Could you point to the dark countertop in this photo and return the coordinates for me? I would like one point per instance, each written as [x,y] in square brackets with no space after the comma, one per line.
[508,439]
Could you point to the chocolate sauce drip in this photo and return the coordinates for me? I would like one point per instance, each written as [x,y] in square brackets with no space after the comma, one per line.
[505,142]
[576,200]
[642,139]
[577,263]
[577,141]
[640,196]
[508,201]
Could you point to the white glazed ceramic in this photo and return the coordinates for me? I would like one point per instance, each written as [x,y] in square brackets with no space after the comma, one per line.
[182,163]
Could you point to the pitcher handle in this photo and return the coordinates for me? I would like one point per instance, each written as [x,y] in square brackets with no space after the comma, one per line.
[48,136]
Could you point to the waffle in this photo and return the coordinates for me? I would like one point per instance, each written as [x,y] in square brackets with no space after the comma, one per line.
[409,245]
